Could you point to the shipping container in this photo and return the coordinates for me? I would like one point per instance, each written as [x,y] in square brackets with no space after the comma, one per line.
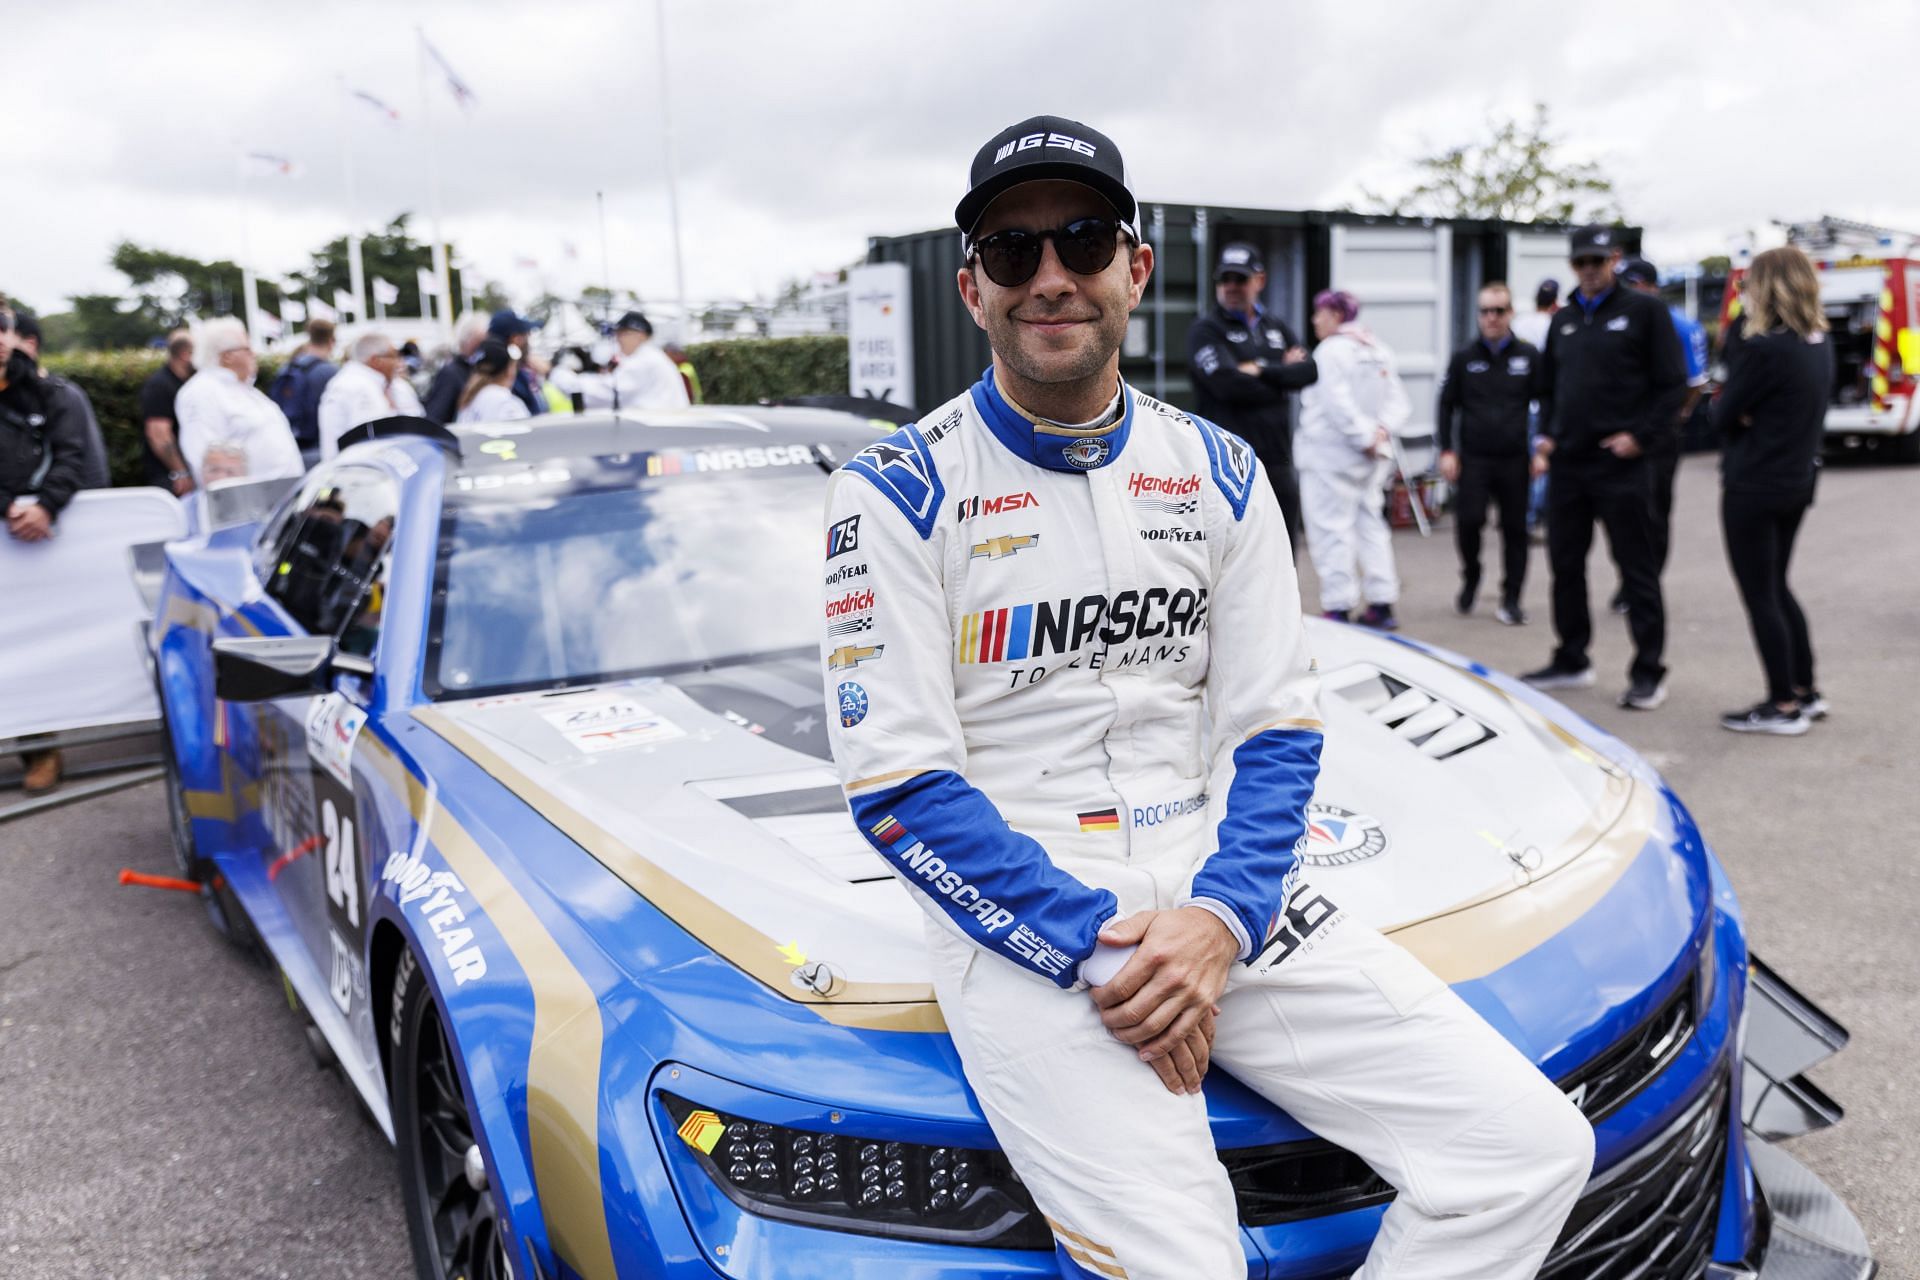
[1415,278]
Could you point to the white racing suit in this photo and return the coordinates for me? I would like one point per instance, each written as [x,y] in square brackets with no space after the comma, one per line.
[1342,485]
[1067,679]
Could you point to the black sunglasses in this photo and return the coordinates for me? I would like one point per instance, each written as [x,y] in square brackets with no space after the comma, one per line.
[1494,311]
[1589,260]
[1011,258]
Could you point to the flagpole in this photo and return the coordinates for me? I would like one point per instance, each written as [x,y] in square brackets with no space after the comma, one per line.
[606,272]
[440,270]
[673,185]
[356,268]
[249,295]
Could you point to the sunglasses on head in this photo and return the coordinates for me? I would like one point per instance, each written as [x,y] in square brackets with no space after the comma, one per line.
[1012,257]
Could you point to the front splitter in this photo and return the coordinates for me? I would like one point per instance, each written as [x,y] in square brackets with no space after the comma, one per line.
[1814,1235]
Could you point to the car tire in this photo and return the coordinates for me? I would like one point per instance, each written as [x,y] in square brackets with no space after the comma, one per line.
[455,1227]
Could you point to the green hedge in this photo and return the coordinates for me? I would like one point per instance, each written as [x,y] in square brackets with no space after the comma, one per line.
[738,372]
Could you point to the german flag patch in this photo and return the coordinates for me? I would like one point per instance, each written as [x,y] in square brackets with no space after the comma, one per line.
[1100,820]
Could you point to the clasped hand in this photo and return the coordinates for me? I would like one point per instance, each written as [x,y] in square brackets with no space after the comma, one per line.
[1164,999]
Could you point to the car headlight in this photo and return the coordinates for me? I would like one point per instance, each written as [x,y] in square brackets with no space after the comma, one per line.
[904,1190]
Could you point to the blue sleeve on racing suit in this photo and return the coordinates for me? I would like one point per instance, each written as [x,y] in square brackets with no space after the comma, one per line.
[945,838]
[1251,872]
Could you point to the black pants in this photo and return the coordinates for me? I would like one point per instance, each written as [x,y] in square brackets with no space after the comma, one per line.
[1618,494]
[1665,466]
[1760,528]
[1505,482]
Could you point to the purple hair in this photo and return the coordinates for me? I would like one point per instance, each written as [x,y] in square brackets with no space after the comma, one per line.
[1338,300]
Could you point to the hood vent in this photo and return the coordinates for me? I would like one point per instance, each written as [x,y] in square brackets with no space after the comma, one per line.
[1436,728]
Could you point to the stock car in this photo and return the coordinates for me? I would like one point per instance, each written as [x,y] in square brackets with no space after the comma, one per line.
[507,747]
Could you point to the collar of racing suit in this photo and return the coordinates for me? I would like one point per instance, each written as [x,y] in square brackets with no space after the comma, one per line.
[1050,444]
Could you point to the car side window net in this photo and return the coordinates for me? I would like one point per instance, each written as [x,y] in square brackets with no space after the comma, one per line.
[326,569]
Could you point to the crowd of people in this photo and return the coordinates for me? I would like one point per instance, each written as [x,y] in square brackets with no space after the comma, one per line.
[1573,410]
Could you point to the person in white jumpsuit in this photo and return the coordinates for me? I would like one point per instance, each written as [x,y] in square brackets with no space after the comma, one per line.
[1073,710]
[1344,453]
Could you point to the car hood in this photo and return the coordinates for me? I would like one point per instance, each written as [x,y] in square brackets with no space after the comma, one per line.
[1448,813]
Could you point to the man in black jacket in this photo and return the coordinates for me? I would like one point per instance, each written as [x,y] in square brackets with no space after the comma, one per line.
[1483,447]
[1245,362]
[1612,379]
[43,459]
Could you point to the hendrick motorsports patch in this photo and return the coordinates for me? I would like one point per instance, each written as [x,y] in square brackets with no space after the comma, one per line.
[1338,837]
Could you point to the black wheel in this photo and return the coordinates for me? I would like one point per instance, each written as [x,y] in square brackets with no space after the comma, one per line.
[1902,450]
[456,1230]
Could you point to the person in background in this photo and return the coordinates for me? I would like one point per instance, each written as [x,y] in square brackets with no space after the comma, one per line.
[1664,457]
[642,376]
[1532,327]
[367,388]
[688,374]
[26,336]
[1344,452]
[1246,364]
[43,458]
[1612,380]
[301,384]
[229,428]
[442,400]
[1772,414]
[1489,389]
[488,395]
[516,330]
[160,456]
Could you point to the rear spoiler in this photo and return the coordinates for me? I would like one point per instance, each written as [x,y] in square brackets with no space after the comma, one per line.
[387,428]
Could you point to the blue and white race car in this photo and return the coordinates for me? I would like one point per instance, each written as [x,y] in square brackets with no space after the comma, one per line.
[508,748]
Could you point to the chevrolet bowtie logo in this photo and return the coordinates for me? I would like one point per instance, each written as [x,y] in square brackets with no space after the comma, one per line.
[1005,545]
[852,655]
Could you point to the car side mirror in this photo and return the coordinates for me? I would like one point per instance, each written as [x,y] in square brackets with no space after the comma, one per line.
[259,668]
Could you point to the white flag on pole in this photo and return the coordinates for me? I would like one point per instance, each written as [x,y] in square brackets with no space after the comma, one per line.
[292,310]
[346,302]
[385,292]
[429,283]
[318,310]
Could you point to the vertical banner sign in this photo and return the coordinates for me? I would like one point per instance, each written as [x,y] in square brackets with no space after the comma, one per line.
[880,332]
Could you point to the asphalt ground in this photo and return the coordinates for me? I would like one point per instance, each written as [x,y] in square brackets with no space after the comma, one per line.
[161,1118]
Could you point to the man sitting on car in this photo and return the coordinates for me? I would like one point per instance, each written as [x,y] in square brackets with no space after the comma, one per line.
[1073,710]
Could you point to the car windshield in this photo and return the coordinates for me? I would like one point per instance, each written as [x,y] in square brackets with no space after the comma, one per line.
[570,572]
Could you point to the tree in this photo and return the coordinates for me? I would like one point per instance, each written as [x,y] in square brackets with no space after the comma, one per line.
[1519,174]
[392,255]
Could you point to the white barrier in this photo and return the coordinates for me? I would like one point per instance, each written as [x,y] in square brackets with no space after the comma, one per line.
[70,654]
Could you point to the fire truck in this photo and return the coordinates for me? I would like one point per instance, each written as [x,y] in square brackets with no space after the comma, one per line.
[1870,290]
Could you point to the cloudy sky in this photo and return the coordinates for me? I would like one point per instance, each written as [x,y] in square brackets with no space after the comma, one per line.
[803,127]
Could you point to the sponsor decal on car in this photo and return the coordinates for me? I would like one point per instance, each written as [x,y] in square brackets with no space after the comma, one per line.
[610,723]
[1004,545]
[440,901]
[691,461]
[487,480]
[1338,837]
[853,704]
[332,725]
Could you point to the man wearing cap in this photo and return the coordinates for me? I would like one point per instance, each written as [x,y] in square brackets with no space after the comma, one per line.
[1611,381]
[1082,727]
[1532,327]
[642,376]
[1638,273]
[1245,362]
[1484,404]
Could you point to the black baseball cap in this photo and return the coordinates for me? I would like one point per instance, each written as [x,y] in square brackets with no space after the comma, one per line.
[25,325]
[1046,147]
[634,321]
[1639,271]
[508,324]
[1595,241]
[1546,295]
[1239,259]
